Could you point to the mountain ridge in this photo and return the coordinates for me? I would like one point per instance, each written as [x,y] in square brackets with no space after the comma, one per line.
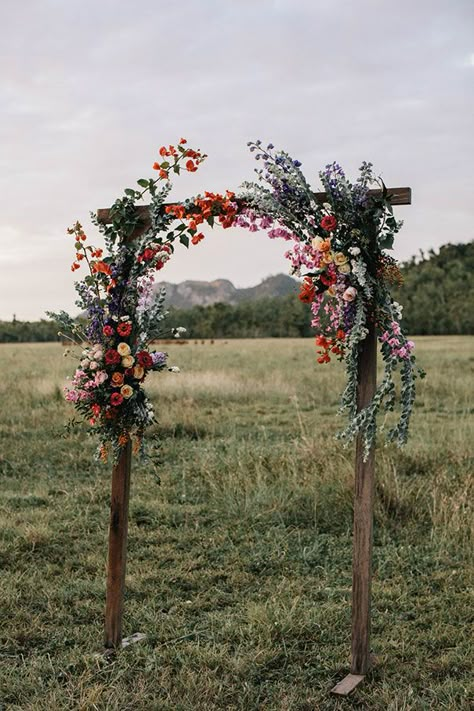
[191,292]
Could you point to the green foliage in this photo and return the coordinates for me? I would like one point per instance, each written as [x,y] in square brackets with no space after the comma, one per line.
[438,291]
[282,317]
[28,331]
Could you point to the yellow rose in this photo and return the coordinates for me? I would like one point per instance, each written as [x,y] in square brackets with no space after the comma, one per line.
[316,243]
[332,290]
[126,391]
[128,361]
[138,372]
[344,268]
[123,349]
[327,258]
[340,258]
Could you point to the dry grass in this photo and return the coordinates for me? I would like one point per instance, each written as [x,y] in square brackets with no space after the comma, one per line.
[239,562]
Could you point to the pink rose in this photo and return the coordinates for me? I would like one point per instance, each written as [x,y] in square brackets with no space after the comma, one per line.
[349,294]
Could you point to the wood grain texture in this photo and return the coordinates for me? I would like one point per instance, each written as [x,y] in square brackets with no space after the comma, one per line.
[117,560]
[399,196]
[347,685]
[363,514]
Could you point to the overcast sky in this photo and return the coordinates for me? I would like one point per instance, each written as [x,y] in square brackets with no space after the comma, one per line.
[90,90]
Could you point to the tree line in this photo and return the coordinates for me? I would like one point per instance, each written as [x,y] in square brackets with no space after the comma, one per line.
[437,295]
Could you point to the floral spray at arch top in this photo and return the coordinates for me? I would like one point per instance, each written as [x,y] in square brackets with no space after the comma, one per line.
[338,248]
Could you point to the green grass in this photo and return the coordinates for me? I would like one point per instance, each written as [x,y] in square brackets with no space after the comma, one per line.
[239,565]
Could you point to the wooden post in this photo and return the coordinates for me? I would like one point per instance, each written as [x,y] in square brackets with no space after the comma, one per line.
[363,513]
[117,559]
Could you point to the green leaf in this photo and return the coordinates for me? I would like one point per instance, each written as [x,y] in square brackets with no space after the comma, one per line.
[143,183]
[210,220]
[184,239]
[386,242]
[129,191]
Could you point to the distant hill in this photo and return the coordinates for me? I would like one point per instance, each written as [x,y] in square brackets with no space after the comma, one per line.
[438,291]
[205,293]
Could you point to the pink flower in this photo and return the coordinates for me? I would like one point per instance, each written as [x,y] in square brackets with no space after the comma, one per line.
[71,395]
[349,294]
[410,345]
[100,377]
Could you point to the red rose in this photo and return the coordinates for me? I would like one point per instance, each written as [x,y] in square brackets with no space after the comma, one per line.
[328,223]
[108,331]
[112,357]
[328,279]
[116,399]
[145,359]
[124,329]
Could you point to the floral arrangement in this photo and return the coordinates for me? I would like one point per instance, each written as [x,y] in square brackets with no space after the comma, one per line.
[339,250]
[122,313]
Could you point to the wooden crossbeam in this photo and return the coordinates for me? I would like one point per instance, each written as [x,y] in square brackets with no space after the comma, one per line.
[398,196]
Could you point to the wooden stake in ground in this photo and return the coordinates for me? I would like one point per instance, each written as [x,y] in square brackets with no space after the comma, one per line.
[117,560]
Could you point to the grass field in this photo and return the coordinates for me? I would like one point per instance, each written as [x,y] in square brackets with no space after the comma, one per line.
[239,566]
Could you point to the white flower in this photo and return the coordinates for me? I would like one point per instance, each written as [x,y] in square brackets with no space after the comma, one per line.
[125,318]
[85,363]
[174,369]
[93,365]
[178,332]
[355,251]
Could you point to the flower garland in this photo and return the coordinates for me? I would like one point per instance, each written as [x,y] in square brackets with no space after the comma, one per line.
[122,313]
[338,249]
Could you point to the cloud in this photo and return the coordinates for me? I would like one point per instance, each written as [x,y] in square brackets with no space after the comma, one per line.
[90,90]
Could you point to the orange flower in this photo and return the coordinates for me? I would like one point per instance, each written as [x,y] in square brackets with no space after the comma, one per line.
[163,152]
[156,166]
[325,245]
[182,140]
[190,166]
[101,267]
[117,379]
[163,174]
[197,238]
[123,439]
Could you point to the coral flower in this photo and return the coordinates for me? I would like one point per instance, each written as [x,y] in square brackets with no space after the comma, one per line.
[328,223]
[116,399]
[108,331]
[102,268]
[124,329]
[197,238]
[190,166]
